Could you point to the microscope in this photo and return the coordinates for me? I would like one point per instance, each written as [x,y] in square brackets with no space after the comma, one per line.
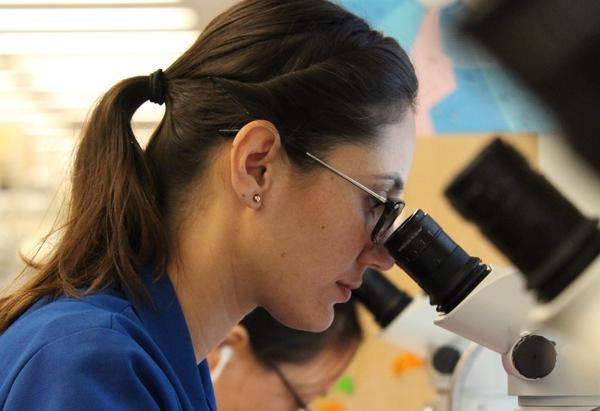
[452,362]
[540,317]
[543,337]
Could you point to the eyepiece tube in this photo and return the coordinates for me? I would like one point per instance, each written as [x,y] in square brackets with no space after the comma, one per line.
[526,217]
[381,297]
[439,265]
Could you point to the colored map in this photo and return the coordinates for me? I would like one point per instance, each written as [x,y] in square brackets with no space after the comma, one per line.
[462,90]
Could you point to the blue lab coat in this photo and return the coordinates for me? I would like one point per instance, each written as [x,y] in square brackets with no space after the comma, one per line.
[103,352]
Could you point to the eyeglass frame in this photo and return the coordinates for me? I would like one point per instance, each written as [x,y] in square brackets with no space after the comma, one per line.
[302,406]
[392,208]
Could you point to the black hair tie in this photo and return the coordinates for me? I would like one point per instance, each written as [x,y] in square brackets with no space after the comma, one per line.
[157,87]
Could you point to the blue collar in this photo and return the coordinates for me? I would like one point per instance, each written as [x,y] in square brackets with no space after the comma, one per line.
[164,320]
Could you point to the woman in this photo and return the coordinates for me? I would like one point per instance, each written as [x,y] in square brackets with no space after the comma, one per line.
[240,200]
[263,365]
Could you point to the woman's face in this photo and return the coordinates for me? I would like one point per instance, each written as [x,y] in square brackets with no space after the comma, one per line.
[315,233]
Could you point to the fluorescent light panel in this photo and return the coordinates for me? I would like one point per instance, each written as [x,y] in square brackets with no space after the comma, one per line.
[83,75]
[86,67]
[81,2]
[96,19]
[97,43]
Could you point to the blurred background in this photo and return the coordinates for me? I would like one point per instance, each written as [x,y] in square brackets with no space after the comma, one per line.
[57,57]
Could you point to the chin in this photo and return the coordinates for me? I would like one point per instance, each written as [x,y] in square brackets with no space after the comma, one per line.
[318,321]
[311,321]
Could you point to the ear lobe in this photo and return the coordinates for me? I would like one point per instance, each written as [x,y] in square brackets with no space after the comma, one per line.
[253,151]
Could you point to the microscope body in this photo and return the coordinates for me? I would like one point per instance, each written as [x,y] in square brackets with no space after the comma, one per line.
[549,351]
[413,330]
[571,321]
[494,314]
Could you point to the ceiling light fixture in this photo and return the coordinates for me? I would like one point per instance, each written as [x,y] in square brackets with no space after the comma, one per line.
[96,19]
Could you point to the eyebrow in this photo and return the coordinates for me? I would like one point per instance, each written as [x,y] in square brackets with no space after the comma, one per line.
[396,180]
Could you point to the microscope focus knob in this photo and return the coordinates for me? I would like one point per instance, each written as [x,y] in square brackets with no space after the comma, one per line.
[534,356]
[445,359]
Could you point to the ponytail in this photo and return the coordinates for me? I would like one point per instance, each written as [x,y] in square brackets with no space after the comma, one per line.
[114,226]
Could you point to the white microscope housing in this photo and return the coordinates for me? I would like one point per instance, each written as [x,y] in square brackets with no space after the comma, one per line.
[539,316]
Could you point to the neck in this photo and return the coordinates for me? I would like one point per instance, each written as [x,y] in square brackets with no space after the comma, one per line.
[213,294]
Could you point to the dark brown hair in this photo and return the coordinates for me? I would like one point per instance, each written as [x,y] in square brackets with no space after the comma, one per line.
[320,74]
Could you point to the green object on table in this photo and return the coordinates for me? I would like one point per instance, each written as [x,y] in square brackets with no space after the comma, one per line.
[345,385]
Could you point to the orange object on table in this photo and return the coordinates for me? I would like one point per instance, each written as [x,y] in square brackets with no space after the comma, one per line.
[332,406]
[406,362]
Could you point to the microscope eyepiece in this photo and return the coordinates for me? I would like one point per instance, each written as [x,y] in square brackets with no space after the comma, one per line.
[381,297]
[439,265]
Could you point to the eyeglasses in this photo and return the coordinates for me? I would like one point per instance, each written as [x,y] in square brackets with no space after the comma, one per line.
[286,383]
[391,208]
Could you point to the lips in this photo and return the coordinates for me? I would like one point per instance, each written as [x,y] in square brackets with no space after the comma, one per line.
[351,285]
[345,292]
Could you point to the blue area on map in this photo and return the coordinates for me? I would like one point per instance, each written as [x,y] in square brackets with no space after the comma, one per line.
[459,49]
[471,108]
[403,22]
[400,19]
[521,109]
[371,10]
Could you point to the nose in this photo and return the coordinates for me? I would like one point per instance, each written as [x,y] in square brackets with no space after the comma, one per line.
[376,256]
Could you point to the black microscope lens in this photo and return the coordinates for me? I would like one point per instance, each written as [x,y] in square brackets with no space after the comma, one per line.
[439,265]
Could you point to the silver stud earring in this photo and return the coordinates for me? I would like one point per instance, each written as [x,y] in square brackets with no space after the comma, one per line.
[257,199]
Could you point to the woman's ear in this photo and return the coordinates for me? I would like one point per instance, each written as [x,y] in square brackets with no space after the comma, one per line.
[236,343]
[253,151]
[237,337]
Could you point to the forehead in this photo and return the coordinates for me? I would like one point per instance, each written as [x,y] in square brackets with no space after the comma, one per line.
[316,377]
[390,153]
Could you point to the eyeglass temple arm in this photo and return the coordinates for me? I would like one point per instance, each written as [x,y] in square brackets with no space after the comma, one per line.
[382,199]
[379,197]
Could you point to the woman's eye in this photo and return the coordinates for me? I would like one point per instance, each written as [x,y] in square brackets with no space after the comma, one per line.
[373,204]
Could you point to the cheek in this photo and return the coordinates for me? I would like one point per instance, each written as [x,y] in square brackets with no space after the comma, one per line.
[319,236]
[328,249]
[332,212]
[343,229]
